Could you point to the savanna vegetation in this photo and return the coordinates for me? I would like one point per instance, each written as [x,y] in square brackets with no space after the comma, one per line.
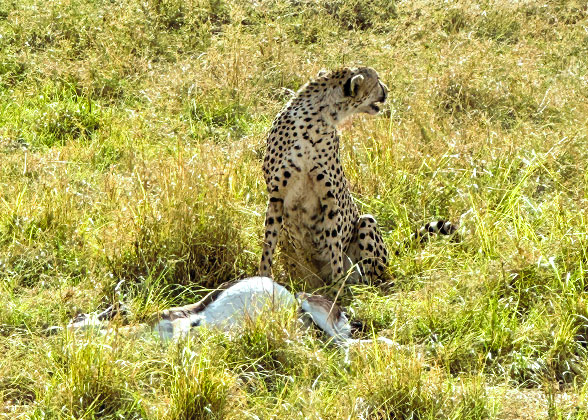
[131,139]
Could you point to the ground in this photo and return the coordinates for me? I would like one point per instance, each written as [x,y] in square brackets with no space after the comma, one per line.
[132,136]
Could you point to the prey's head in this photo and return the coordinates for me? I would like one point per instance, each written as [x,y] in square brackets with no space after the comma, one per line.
[326,315]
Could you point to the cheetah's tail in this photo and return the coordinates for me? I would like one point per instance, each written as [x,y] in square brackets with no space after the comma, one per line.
[425,232]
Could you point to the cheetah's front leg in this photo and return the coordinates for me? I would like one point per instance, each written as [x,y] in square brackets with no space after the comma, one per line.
[273,224]
[331,222]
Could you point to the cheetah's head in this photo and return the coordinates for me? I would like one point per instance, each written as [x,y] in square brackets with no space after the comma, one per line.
[364,90]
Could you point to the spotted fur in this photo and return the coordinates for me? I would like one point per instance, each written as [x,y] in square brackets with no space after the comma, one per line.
[310,208]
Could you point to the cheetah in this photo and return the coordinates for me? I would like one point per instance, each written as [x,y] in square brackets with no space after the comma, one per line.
[310,209]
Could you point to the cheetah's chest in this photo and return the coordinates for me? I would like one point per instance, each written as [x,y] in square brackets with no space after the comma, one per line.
[303,217]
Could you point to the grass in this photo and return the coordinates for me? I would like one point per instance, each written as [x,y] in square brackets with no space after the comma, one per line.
[131,141]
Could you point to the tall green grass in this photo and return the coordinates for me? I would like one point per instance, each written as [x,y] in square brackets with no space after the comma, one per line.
[131,140]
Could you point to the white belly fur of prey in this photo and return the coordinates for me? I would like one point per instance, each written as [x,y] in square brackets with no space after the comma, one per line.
[242,302]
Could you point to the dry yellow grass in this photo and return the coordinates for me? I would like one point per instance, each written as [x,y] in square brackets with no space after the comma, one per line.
[131,139]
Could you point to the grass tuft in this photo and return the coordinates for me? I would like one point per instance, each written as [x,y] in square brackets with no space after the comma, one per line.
[131,140]
[199,387]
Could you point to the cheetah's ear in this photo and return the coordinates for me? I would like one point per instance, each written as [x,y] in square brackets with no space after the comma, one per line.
[352,85]
[322,72]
